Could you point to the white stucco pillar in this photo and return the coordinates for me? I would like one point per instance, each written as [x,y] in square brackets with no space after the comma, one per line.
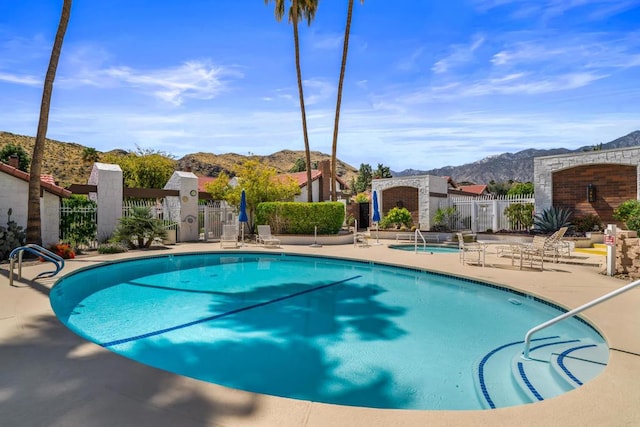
[108,179]
[187,184]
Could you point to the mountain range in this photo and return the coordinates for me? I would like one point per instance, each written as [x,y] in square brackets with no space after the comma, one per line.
[64,161]
[513,166]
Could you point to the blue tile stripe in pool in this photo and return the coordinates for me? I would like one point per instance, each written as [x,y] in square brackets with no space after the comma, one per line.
[564,368]
[228,313]
[485,359]
[530,386]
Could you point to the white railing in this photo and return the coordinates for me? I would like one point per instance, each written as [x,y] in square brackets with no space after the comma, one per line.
[486,212]
[527,337]
[415,240]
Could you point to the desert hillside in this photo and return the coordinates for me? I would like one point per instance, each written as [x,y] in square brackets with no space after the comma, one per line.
[64,160]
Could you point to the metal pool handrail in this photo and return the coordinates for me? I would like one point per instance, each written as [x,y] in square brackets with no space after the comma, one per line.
[527,337]
[415,240]
[39,251]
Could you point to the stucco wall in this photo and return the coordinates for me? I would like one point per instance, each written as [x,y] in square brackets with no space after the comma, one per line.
[14,194]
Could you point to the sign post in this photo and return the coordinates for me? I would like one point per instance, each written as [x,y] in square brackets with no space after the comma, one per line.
[610,241]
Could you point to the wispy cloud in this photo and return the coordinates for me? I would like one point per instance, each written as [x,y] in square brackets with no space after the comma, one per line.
[549,9]
[460,55]
[21,79]
[192,79]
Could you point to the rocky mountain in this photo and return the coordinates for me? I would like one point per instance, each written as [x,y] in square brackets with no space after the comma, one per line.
[515,166]
[64,160]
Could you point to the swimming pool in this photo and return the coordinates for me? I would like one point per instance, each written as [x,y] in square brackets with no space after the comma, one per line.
[312,328]
[433,249]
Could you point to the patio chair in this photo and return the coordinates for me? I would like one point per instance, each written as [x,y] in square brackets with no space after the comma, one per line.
[471,248]
[557,245]
[265,238]
[535,251]
[229,238]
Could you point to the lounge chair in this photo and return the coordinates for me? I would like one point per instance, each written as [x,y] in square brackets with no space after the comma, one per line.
[265,238]
[471,247]
[229,238]
[535,251]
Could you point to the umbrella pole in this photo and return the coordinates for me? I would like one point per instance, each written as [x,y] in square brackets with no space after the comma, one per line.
[242,234]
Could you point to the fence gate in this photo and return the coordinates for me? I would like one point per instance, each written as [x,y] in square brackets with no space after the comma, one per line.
[486,213]
[212,216]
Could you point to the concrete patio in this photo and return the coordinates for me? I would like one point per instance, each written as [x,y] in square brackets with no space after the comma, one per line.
[52,377]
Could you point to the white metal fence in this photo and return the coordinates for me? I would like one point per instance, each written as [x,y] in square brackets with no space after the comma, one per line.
[212,216]
[79,223]
[486,213]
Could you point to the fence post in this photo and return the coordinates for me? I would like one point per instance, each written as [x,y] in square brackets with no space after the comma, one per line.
[187,184]
[108,179]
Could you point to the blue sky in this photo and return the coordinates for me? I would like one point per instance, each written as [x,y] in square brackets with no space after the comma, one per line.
[428,83]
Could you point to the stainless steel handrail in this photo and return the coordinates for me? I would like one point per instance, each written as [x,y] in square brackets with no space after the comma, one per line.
[415,240]
[527,337]
[39,251]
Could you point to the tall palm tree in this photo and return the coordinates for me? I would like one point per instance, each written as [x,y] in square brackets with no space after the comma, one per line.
[300,9]
[34,228]
[334,146]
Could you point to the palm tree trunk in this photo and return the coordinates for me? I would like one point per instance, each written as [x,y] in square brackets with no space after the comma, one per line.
[343,66]
[307,150]
[34,226]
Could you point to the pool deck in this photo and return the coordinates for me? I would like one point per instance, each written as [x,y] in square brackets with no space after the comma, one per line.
[51,377]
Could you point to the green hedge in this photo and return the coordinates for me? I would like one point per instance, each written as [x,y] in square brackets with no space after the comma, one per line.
[301,217]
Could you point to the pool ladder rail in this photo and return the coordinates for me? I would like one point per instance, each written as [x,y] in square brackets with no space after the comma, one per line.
[39,251]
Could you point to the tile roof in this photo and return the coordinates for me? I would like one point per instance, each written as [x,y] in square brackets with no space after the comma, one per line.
[46,181]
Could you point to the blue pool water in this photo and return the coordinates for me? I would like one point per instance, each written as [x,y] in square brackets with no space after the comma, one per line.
[312,328]
[434,249]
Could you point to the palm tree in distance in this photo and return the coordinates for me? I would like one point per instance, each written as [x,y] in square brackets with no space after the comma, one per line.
[334,146]
[299,9]
[34,228]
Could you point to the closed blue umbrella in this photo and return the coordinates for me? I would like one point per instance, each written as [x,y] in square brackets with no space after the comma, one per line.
[243,213]
[376,214]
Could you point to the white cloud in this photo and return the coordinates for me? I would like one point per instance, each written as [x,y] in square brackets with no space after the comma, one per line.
[460,55]
[22,80]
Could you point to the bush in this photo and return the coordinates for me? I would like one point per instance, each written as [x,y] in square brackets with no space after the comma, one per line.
[301,217]
[520,215]
[63,250]
[627,209]
[139,229]
[78,226]
[444,218]
[11,237]
[586,223]
[111,248]
[397,217]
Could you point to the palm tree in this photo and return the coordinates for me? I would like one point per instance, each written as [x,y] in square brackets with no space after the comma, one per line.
[334,146]
[300,9]
[34,229]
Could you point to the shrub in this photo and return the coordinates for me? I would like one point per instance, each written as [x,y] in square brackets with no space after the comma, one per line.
[551,220]
[139,229]
[78,226]
[111,248]
[63,250]
[627,209]
[520,215]
[11,237]
[444,218]
[397,217]
[301,217]
[362,198]
[585,223]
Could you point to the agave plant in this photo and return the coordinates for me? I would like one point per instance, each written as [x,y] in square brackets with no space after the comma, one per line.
[551,220]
